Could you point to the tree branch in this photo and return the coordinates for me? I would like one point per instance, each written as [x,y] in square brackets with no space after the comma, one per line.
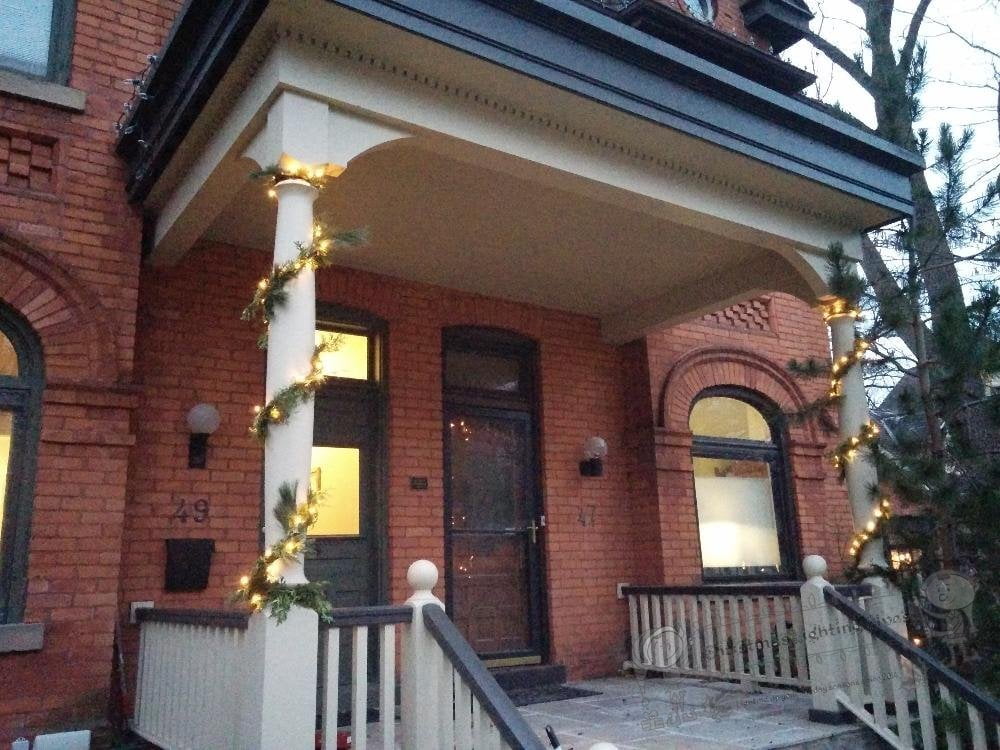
[912,34]
[842,60]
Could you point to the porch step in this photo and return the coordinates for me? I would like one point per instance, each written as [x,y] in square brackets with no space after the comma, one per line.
[860,738]
[531,676]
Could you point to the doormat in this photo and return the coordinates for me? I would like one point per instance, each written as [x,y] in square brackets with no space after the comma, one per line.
[527,696]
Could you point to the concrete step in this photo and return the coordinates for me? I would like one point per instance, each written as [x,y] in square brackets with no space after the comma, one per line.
[859,738]
[530,676]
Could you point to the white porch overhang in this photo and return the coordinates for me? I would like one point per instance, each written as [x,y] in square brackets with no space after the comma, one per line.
[480,178]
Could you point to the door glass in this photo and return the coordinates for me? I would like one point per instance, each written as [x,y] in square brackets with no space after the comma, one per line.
[487,473]
[6,434]
[490,554]
[8,357]
[349,355]
[336,475]
[482,372]
[490,601]
[736,520]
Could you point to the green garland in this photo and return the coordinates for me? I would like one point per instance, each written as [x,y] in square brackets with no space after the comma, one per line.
[275,173]
[283,403]
[263,588]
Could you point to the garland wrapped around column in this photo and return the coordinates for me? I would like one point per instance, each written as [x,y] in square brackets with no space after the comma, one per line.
[847,287]
[263,588]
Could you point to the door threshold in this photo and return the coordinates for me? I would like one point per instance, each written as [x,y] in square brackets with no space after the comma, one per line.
[513,661]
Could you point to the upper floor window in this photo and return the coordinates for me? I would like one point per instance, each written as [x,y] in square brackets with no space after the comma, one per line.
[36,36]
[20,408]
[744,522]
[701,9]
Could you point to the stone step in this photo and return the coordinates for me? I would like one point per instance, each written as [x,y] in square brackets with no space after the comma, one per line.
[860,738]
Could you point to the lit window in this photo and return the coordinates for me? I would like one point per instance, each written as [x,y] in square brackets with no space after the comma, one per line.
[35,37]
[349,357]
[20,408]
[739,490]
[336,475]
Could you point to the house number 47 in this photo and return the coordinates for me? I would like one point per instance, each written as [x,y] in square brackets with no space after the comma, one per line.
[196,510]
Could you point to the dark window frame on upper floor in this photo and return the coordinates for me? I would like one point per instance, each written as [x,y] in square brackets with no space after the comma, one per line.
[61,33]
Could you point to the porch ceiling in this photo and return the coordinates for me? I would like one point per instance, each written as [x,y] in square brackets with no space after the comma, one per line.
[451,223]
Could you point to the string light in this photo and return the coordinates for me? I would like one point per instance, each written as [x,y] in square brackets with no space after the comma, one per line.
[873,528]
[843,364]
[847,451]
[840,307]
[263,587]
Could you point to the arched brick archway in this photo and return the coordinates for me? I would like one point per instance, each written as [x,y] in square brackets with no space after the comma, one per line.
[75,329]
[720,366]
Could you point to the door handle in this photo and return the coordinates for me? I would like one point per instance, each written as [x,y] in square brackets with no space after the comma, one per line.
[533,529]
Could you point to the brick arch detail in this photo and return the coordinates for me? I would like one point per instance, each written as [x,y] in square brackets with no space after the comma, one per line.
[719,366]
[74,327]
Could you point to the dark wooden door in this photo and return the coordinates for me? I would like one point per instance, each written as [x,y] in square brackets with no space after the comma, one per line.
[492,532]
[345,543]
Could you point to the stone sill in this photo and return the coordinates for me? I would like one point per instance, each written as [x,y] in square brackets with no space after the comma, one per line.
[27,636]
[46,92]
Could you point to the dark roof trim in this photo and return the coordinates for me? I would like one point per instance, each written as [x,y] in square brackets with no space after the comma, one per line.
[564,44]
[709,43]
[782,22]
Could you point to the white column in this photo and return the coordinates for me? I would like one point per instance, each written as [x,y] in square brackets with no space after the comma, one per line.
[419,689]
[860,475]
[290,346]
[281,671]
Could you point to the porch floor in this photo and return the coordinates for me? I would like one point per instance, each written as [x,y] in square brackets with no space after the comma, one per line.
[690,714]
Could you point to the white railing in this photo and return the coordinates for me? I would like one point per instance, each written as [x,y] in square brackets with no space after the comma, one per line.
[859,659]
[195,689]
[190,690]
[753,633]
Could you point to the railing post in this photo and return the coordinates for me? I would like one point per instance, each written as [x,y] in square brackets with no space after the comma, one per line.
[419,711]
[824,645]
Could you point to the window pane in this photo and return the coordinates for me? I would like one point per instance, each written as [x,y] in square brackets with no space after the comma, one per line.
[349,360]
[336,472]
[482,372]
[722,417]
[8,357]
[736,519]
[25,30]
[6,431]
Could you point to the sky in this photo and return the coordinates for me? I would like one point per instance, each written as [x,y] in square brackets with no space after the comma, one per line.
[962,81]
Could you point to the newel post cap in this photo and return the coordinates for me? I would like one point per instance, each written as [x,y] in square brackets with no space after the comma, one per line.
[422,575]
[603,746]
[814,566]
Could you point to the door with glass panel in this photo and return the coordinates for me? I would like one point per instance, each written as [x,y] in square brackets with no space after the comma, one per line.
[493,522]
[745,521]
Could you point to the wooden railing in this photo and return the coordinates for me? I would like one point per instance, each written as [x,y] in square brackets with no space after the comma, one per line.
[859,660]
[473,711]
[190,687]
[753,633]
[195,689]
[359,622]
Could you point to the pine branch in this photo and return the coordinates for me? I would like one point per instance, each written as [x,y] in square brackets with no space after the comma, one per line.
[912,35]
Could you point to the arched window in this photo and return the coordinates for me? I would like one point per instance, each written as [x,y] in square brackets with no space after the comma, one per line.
[744,512]
[700,9]
[20,410]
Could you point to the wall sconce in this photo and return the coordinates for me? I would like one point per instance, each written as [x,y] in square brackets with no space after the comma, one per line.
[594,451]
[202,420]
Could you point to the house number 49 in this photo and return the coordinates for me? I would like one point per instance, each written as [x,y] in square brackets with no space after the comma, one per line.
[196,510]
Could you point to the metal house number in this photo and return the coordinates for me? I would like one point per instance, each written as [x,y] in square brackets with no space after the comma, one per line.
[196,510]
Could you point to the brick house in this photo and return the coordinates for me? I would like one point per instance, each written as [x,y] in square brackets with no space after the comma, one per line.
[565,244]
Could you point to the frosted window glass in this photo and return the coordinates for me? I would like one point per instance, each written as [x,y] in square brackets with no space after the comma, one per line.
[736,519]
[8,357]
[25,35]
[349,358]
[6,427]
[336,474]
[718,416]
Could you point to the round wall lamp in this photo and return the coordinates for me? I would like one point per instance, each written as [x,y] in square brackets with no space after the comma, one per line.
[595,449]
[202,421]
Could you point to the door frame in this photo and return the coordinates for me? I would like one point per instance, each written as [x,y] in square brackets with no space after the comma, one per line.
[489,340]
[334,317]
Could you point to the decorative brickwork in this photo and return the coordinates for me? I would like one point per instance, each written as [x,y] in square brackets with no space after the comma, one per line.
[753,316]
[27,161]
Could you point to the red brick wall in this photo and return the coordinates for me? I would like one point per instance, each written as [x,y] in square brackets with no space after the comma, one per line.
[69,257]
[728,18]
[747,345]
[193,347]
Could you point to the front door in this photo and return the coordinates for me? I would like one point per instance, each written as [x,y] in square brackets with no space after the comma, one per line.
[493,517]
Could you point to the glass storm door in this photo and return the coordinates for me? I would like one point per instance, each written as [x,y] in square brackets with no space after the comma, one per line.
[492,532]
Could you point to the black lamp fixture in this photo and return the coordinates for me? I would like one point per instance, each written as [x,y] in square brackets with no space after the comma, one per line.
[202,421]
[595,449]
